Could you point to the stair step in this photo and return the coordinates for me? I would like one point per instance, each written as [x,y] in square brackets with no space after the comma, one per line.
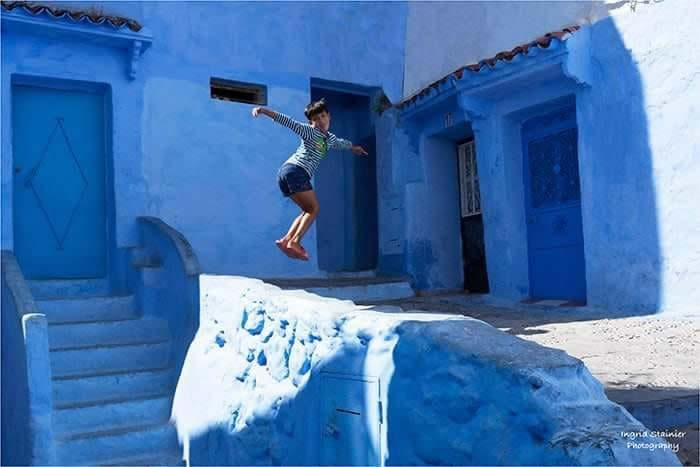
[163,459]
[110,416]
[109,359]
[351,288]
[86,309]
[85,389]
[103,448]
[68,288]
[81,335]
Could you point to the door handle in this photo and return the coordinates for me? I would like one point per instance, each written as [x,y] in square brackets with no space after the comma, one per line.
[18,170]
[532,220]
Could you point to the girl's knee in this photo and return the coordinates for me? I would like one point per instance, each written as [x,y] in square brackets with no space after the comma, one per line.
[311,209]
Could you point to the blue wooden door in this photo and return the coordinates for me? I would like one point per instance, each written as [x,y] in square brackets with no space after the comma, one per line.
[59,182]
[553,207]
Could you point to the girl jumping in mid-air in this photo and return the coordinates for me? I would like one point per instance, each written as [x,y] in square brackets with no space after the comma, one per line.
[294,177]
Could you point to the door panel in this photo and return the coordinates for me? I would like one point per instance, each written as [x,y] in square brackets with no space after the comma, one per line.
[350,417]
[553,207]
[365,226]
[59,182]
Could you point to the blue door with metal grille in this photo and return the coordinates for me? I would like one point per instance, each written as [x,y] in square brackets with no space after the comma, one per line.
[553,207]
[59,182]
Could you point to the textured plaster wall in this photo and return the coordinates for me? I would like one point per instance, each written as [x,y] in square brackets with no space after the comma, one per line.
[254,389]
[639,139]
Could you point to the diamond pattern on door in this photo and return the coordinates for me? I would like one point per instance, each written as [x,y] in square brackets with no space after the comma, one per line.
[61,159]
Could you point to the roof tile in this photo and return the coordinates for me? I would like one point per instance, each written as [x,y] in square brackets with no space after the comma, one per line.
[542,42]
[92,17]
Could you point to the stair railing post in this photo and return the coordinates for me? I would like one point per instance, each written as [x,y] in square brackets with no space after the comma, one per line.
[36,342]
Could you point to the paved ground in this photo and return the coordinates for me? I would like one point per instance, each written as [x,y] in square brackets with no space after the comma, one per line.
[650,364]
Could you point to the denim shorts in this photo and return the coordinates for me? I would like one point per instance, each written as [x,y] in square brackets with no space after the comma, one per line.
[293,179]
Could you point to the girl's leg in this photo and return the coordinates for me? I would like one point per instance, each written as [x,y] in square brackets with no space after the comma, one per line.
[292,229]
[282,242]
[309,204]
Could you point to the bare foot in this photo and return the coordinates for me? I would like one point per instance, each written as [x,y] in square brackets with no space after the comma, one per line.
[282,245]
[298,250]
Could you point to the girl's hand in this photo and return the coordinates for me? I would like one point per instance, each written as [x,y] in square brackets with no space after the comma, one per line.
[259,110]
[358,151]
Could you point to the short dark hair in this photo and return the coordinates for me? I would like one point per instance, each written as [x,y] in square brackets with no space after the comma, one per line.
[315,108]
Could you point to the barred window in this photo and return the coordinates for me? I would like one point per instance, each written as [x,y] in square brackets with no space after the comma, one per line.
[468,180]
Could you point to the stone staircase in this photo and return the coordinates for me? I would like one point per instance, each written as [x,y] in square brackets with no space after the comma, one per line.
[112,382]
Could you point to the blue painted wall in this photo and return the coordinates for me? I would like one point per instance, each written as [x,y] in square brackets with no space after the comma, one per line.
[622,269]
[189,166]
[626,179]
[204,165]
[636,162]
[16,447]
[433,229]
[419,219]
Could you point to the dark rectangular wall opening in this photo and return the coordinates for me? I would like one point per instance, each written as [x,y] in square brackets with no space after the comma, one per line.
[236,91]
[471,221]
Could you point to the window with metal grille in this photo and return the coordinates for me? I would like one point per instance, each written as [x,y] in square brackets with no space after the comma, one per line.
[468,180]
[236,91]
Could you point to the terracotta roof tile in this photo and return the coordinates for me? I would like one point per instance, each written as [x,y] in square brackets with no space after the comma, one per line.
[77,16]
[542,42]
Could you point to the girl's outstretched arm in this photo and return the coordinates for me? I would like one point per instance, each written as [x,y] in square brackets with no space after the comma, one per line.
[344,144]
[358,150]
[305,131]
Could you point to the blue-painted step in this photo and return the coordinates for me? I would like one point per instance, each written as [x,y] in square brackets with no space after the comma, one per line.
[89,334]
[88,308]
[109,359]
[74,390]
[68,288]
[138,409]
[101,447]
[154,458]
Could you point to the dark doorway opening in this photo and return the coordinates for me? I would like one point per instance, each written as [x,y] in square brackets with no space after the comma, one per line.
[472,224]
[346,184]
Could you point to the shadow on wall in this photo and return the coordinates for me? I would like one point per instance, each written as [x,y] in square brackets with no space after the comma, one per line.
[16,448]
[619,201]
[617,265]
[455,410]
[309,429]
[447,401]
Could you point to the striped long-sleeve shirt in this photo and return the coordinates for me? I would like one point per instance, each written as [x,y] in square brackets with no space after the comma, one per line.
[314,143]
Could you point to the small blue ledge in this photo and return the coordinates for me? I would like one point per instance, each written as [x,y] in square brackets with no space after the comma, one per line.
[135,43]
